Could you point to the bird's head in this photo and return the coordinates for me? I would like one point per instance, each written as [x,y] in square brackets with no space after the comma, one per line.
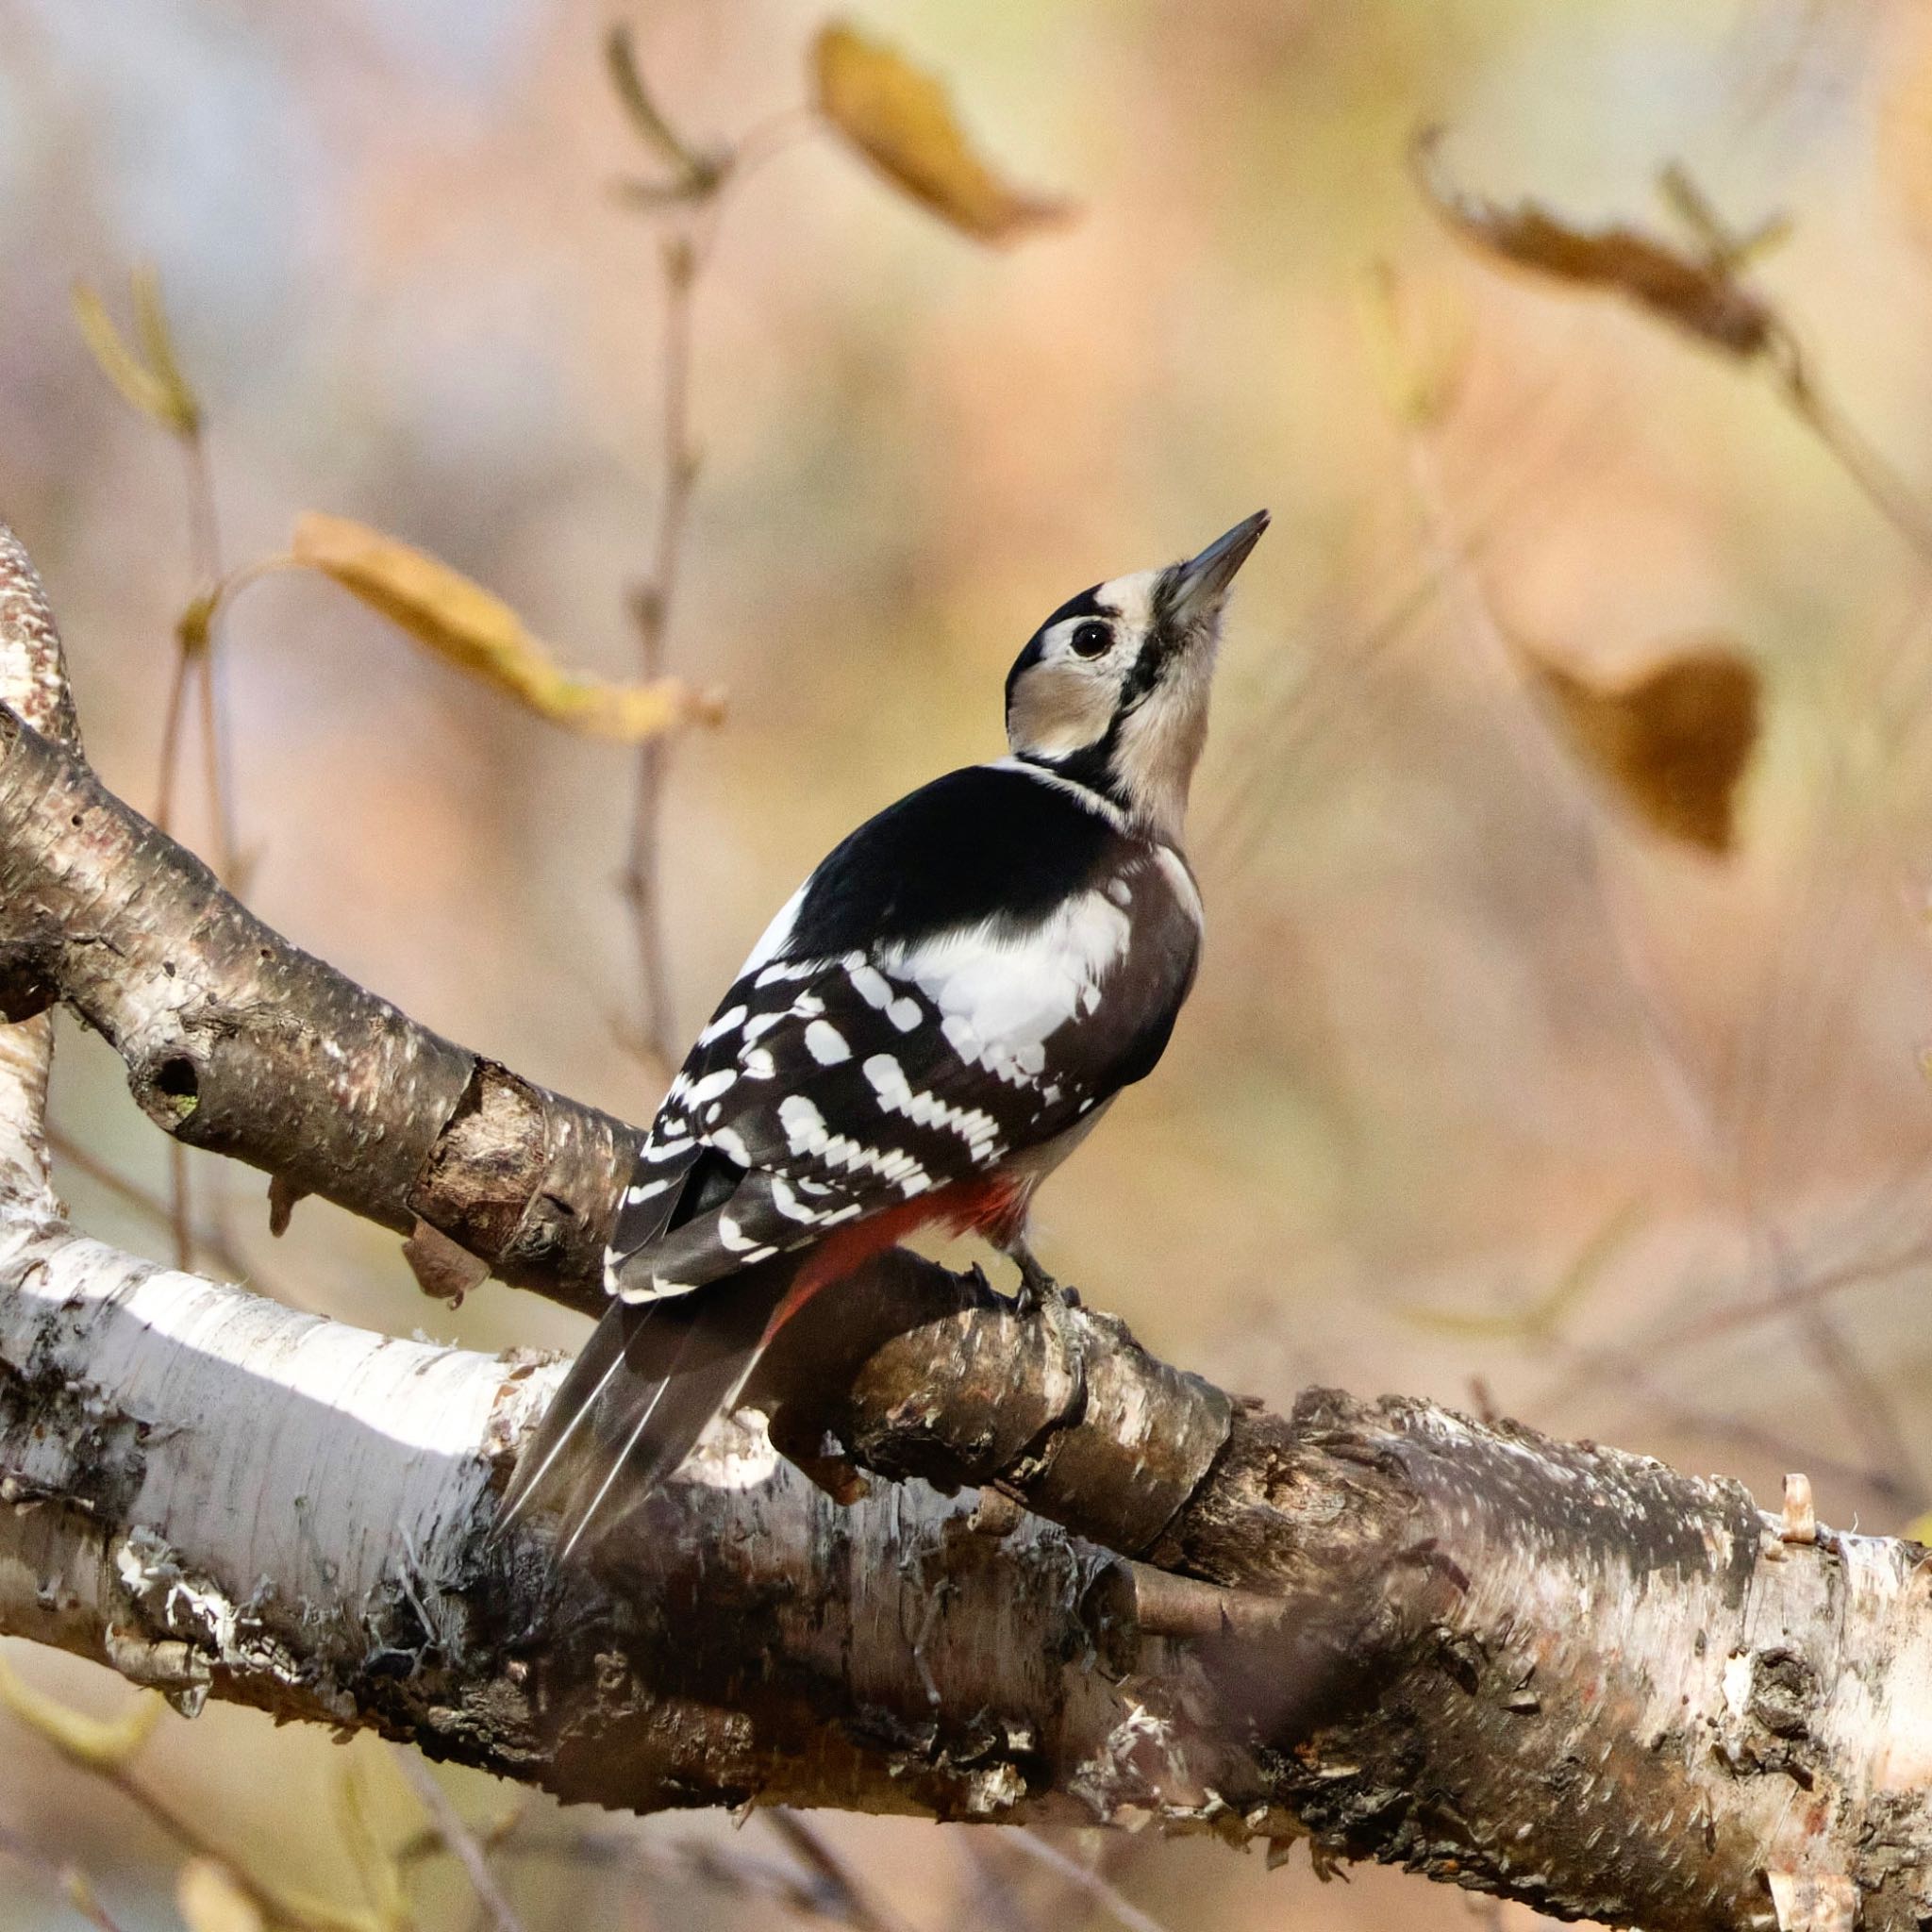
[1111,691]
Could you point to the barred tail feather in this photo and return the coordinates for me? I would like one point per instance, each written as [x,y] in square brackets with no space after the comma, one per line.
[646,1387]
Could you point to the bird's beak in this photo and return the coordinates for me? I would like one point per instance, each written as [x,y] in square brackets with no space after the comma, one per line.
[1200,584]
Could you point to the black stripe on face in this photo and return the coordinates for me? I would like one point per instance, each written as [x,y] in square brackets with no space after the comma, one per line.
[1157,648]
[1087,604]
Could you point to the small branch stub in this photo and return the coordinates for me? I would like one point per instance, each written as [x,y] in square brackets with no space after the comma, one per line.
[1800,1524]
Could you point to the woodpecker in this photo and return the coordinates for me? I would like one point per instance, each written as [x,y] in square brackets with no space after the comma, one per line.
[934,1020]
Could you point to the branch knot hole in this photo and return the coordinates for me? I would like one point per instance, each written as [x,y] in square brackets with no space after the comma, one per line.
[177,1086]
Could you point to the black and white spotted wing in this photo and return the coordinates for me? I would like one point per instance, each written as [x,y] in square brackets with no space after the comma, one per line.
[965,979]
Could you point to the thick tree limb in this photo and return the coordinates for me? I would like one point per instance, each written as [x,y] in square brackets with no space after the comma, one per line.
[1553,1671]
[239,1042]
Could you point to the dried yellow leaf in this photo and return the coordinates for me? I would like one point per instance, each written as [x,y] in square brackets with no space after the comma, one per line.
[458,619]
[1418,348]
[1673,744]
[209,1899]
[96,1743]
[157,344]
[901,120]
[156,387]
[376,1867]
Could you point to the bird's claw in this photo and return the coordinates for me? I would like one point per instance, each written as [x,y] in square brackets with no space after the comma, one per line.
[1038,1290]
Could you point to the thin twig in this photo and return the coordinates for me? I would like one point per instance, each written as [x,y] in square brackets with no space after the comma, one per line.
[277,1907]
[1859,1398]
[205,548]
[194,662]
[216,1243]
[809,1895]
[859,1910]
[462,1842]
[652,607]
[1869,471]
[683,256]
[65,1877]
[1682,1084]
[1274,751]
[1092,1883]
[1630,1370]
[994,1905]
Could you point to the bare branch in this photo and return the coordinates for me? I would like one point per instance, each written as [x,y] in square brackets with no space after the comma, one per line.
[239,1042]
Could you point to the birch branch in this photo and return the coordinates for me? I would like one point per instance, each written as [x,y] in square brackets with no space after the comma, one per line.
[1553,1671]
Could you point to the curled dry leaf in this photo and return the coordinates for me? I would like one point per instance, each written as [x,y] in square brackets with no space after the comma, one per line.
[458,619]
[1673,742]
[1697,293]
[901,120]
[211,1899]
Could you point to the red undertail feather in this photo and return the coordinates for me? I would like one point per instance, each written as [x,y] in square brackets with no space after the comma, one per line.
[992,1205]
[655,1374]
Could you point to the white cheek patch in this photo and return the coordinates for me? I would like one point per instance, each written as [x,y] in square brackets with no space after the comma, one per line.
[1057,707]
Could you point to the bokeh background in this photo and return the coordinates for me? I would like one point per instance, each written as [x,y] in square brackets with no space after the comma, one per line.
[1488,1092]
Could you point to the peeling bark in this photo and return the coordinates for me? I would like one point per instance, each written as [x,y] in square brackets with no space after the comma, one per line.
[1035,1574]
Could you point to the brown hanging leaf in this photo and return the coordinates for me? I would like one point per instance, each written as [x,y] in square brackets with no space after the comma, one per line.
[461,621]
[1673,742]
[444,1269]
[901,120]
[1699,293]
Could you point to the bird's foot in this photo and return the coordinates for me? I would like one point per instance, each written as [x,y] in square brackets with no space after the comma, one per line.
[1038,1288]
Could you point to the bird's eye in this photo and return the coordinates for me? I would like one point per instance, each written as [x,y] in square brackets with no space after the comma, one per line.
[1091,639]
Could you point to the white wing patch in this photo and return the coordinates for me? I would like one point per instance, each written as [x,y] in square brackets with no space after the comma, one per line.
[1000,997]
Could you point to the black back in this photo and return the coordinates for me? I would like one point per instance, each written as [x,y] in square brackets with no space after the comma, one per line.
[980,843]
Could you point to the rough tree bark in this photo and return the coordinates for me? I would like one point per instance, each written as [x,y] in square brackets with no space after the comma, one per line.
[1081,1585]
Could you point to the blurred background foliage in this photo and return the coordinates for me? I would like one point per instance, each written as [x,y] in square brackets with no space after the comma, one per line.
[1565,830]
